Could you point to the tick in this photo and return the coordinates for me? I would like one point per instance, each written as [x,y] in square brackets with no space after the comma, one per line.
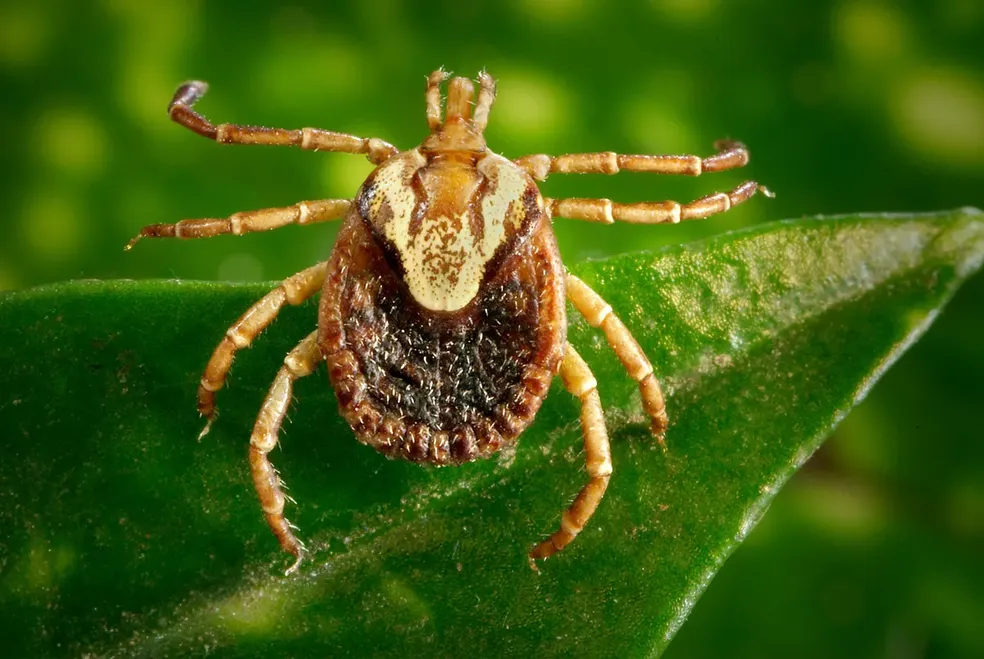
[442,318]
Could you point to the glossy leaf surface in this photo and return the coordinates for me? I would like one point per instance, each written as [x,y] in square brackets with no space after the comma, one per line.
[120,535]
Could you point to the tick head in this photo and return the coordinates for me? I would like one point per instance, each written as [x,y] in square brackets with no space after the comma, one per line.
[446,225]
[460,132]
[448,213]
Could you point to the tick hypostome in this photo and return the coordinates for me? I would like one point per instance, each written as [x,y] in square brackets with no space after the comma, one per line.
[442,316]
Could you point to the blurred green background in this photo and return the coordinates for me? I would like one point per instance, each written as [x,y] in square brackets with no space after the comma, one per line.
[876,549]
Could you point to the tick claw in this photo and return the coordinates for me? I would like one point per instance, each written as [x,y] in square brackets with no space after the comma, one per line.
[208,426]
[293,568]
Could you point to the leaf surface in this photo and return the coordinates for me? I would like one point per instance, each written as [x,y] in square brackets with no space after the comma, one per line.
[120,535]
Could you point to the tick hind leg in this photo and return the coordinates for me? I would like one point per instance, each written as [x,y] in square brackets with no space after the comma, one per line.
[301,361]
[579,380]
[294,290]
[599,314]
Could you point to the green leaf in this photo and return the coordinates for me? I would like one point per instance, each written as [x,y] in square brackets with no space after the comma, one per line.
[121,535]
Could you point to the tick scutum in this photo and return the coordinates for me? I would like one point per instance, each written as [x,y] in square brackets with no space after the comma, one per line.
[441,387]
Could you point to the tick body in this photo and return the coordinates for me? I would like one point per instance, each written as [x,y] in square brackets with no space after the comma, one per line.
[442,318]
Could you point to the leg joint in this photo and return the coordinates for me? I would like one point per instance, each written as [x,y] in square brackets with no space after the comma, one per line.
[237,338]
[208,385]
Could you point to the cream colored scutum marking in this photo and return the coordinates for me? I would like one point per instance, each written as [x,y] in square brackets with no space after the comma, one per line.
[444,261]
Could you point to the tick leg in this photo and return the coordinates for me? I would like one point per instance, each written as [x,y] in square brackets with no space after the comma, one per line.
[305,212]
[730,155]
[652,212]
[599,314]
[293,290]
[301,361]
[579,380]
[314,139]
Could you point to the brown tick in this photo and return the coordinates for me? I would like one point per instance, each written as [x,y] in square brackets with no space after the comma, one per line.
[442,317]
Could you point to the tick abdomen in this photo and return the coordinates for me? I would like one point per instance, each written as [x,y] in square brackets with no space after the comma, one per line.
[441,387]
[442,317]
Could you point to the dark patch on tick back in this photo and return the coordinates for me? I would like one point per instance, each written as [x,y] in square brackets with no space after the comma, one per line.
[444,374]
[477,223]
[441,387]
[420,208]
[363,203]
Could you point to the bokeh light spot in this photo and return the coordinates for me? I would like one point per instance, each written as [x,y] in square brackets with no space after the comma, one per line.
[251,611]
[72,141]
[302,71]
[8,281]
[51,226]
[656,127]
[842,508]
[343,174]
[43,566]
[23,34]
[155,36]
[529,106]
[940,114]
[871,32]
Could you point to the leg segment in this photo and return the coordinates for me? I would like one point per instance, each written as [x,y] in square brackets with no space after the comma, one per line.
[730,156]
[433,96]
[294,290]
[579,381]
[652,212]
[301,361]
[599,314]
[315,139]
[306,212]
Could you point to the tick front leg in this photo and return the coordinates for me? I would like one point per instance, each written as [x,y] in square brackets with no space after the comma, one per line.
[599,314]
[730,155]
[305,212]
[652,212]
[294,290]
[314,139]
[301,361]
[579,380]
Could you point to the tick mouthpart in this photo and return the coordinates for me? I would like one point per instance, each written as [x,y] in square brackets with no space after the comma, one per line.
[461,91]
[459,130]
